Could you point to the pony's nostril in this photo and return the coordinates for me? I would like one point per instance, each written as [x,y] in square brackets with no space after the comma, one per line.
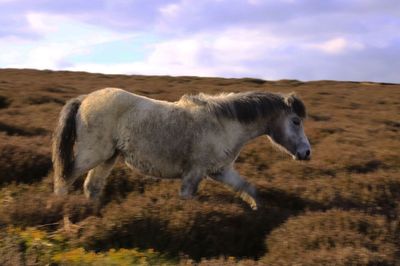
[303,155]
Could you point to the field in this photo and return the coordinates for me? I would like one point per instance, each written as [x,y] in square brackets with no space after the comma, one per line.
[340,208]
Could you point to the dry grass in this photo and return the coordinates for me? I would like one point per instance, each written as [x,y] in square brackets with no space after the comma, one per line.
[341,208]
[334,237]
[22,165]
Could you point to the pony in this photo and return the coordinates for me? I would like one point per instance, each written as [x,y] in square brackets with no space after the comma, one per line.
[196,137]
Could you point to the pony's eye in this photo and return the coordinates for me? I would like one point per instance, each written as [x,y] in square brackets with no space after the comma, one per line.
[296,121]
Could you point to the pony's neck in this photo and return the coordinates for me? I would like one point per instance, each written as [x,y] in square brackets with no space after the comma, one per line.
[241,133]
[253,130]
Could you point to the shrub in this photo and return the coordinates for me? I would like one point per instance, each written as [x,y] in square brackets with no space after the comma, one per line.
[162,221]
[18,164]
[335,237]
[28,247]
[4,102]
[30,208]
[112,257]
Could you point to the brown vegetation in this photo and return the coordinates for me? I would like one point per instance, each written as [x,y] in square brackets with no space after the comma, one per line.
[341,208]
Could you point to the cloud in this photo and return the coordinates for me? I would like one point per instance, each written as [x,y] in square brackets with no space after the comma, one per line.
[304,39]
[195,56]
[336,46]
[40,23]
[61,38]
[170,10]
[188,15]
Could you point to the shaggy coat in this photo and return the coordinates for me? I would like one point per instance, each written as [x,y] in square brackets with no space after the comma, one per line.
[195,137]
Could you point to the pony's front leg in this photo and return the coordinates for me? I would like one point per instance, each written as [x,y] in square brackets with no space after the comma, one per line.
[232,179]
[190,184]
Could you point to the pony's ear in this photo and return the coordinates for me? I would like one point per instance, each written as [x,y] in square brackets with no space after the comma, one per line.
[289,98]
[297,105]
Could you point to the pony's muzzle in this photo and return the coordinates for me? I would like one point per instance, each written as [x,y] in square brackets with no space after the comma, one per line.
[303,154]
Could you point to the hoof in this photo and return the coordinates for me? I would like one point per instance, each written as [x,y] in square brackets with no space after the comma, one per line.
[249,200]
[69,227]
[186,196]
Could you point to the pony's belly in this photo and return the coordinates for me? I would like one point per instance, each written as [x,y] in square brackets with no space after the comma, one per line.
[153,168]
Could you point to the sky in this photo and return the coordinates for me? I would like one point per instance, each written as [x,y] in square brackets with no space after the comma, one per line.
[356,40]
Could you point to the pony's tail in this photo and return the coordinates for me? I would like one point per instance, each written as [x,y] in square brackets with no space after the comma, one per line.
[63,145]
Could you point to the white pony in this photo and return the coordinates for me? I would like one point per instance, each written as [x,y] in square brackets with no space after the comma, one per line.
[195,137]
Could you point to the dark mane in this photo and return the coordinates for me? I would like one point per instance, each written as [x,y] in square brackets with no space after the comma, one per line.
[249,106]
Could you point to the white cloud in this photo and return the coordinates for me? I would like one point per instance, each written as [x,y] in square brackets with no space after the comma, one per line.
[243,44]
[336,46]
[199,54]
[241,52]
[62,37]
[174,57]
[41,23]
[170,10]
[229,47]
[177,52]
[254,2]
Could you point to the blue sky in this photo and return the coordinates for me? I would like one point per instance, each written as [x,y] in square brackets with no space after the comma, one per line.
[296,39]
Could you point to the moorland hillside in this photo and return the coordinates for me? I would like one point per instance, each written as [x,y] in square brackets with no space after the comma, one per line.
[340,208]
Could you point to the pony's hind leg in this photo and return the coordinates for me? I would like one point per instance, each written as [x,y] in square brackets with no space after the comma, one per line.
[233,180]
[62,184]
[96,179]
[86,158]
[94,182]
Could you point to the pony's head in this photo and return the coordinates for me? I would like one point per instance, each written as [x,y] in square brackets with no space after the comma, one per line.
[286,130]
[279,116]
